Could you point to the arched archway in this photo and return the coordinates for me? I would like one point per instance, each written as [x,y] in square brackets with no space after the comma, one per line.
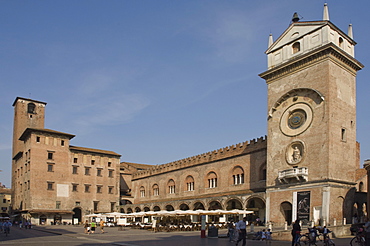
[234,204]
[184,207]
[198,205]
[214,205]
[129,210]
[146,209]
[156,208]
[258,206]
[76,218]
[137,209]
[170,208]
[286,210]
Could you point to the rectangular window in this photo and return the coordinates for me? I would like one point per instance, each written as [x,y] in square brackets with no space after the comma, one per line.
[57,204]
[110,189]
[344,135]
[78,204]
[98,189]
[38,139]
[75,170]
[110,174]
[62,142]
[50,155]
[75,160]
[87,171]
[74,187]
[4,200]
[50,168]
[92,162]
[50,186]
[87,188]
[99,172]
[96,206]
[109,164]
[112,205]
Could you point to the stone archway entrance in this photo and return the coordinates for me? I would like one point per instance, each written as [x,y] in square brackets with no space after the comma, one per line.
[76,217]
[286,209]
[258,206]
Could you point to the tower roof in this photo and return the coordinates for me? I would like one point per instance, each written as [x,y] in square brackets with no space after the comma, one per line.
[27,99]
[297,30]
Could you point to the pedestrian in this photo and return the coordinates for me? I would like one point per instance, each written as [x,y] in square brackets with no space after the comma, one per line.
[87,227]
[102,226]
[6,226]
[93,226]
[263,237]
[367,231]
[241,227]
[231,229]
[268,236]
[296,231]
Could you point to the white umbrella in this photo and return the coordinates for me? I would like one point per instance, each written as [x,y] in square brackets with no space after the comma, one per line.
[94,215]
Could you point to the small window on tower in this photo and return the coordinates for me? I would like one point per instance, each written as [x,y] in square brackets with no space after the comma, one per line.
[341,42]
[62,143]
[38,139]
[31,108]
[344,135]
[50,156]
[296,47]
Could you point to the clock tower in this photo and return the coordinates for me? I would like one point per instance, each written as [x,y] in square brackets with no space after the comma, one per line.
[311,148]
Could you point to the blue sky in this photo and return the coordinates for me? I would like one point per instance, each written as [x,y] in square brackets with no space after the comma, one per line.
[155,81]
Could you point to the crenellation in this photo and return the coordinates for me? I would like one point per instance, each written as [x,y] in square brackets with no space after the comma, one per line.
[219,154]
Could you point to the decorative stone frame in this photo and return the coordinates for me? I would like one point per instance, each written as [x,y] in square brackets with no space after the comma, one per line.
[303,110]
[293,158]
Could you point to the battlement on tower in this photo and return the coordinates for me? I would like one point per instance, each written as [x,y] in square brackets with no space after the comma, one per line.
[243,148]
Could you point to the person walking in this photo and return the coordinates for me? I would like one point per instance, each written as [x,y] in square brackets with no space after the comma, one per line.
[231,229]
[87,227]
[6,226]
[241,227]
[101,226]
[295,232]
[93,226]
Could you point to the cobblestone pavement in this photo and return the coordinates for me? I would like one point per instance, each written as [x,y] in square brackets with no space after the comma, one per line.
[74,235]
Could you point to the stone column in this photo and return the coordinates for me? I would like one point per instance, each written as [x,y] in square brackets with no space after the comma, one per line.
[367,167]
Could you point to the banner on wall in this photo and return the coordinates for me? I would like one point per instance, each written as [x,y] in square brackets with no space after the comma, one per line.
[303,206]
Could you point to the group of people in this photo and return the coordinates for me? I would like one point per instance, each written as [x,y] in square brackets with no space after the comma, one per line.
[237,232]
[91,227]
[312,233]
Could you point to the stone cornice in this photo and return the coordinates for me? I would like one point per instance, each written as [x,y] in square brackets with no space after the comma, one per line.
[329,51]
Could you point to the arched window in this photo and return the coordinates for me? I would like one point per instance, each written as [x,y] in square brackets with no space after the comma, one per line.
[171,186]
[142,191]
[31,108]
[341,42]
[212,180]
[361,187]
[263,172]
[155,190]
[189,183]
[296,47]
[238,175]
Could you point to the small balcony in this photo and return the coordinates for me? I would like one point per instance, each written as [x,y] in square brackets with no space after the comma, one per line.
[299,174]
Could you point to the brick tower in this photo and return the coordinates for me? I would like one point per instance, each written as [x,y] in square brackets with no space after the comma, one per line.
[311,149]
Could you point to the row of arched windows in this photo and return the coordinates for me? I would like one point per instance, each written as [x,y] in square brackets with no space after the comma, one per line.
[237,178]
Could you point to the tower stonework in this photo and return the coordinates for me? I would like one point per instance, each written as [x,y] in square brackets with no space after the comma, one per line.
[311,147]
[28,113]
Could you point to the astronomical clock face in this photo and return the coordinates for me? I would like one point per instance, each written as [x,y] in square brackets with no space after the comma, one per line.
[296,119]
